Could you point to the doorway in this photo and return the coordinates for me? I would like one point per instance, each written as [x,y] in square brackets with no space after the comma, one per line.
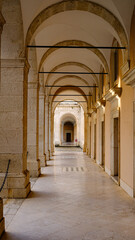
[68,137]
[103,144]
[95,141]
[116,147]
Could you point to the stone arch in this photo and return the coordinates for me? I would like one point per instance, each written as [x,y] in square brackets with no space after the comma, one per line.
[69,76]
[70,88]
[83,105]
[12,40]
[68,5]
[68,115]
[75,43]
[73,64]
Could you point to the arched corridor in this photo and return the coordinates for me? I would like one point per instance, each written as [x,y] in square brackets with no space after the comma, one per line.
[69,202]
[67,107]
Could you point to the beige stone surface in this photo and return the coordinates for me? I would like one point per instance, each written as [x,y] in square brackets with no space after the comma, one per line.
[74,199]
[107,138]
[16,185]
[127,135]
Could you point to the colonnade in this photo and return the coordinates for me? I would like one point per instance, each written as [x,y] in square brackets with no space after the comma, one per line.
[27,110]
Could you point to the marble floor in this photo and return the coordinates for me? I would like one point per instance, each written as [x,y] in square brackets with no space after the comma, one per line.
[74,199]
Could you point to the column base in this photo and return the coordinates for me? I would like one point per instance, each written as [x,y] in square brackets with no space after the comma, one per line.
[47,155]
[16,185]
[34,168]
[84,149]
[87,151]
[42,161]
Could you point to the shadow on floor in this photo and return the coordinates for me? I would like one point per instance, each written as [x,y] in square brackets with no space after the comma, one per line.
[44,195]
[18,236]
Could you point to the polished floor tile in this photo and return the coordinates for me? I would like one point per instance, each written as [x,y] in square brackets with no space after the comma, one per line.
[73,200]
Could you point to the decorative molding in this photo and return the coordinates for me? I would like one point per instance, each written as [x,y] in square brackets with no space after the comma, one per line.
[112,93]
[126,188]
[32,85]
[129,78]
[14,63]
[101,102]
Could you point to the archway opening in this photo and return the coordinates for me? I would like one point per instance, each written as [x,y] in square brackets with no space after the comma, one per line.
[68,132]
[69,124]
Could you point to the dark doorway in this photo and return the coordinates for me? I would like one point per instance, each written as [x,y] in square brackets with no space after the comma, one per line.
[68,137]
[103,143]
[116,146]
[95,141]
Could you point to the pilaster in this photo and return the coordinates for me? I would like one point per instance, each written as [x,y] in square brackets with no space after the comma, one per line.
[50,128]
[33,162]
[85,132]
[2,220]
[13,127]
[41,130]
[47,130]
[52,133]
[129,79]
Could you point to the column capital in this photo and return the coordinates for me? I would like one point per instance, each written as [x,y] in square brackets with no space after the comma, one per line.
[129,78]
[15,63]
[32,85]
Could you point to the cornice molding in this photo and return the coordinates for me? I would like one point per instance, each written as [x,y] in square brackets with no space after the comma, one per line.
[129,78]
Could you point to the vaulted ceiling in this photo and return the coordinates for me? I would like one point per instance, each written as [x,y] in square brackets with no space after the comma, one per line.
[70,23]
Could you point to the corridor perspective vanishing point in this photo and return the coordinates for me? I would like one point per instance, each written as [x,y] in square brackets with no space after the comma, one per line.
[67,119]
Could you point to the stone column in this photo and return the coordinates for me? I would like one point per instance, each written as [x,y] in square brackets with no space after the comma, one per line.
[13,131]
[60,133]
[32,156]
[47,130]
[52,133]
[41,130]
[62,128]
[85,132]
[88,135]
[2,221]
